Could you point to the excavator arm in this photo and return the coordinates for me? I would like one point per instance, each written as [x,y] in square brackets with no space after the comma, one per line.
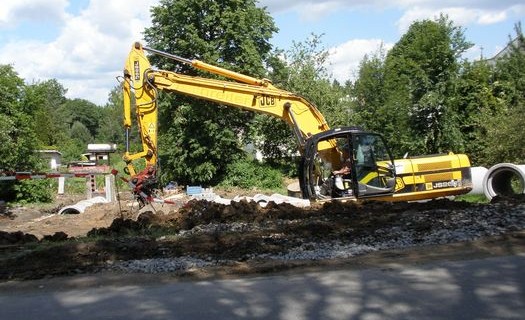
[304,118]
[142,83]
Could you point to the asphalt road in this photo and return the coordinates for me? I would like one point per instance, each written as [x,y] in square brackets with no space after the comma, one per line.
[491,288]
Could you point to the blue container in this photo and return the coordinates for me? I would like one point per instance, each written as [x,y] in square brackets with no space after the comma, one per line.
[193,190]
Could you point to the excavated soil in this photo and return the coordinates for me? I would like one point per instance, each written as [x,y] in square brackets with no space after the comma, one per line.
[201,237]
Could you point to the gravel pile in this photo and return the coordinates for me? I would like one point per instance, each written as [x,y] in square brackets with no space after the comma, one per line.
[160,265]
[434,226]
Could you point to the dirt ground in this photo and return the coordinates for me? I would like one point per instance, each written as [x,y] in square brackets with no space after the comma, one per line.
[244,237]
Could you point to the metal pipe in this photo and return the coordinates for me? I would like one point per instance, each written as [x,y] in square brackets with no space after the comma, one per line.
[211,68]
[127,138]
[298,134]
[169,55]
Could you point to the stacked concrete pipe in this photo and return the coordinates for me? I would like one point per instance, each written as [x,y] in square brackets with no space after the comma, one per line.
[502,179]
[81,206]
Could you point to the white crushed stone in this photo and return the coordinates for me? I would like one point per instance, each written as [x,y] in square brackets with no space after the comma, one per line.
[465,227]
[160,265]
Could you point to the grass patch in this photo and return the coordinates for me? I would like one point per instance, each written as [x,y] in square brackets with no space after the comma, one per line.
[472,198]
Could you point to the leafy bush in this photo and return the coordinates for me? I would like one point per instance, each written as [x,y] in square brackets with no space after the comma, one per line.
[29,191]
[249,174]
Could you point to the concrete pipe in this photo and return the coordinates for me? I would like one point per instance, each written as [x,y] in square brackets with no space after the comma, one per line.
[504,179]
[478,174]
[81,206]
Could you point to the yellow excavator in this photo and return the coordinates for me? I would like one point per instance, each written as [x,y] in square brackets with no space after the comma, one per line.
[369,170]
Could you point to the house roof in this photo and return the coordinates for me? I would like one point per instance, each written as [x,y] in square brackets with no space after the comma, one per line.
[49,151]
[505,51]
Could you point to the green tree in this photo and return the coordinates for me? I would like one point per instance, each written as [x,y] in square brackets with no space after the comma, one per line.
[80,133]
[308,76]
[110,129]
[75,145]
[302,70]
[194,146]
[271,136]
[79,125]
[83,111]
[475,101]
[17,136]
[368,92]
[505,129]
[420,72]
[43,101]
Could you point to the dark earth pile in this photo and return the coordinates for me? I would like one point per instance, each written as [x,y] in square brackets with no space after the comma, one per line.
[203,234]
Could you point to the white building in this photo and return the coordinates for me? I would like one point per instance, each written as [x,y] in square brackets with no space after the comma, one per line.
[54,158]
[516,43]
[100,151]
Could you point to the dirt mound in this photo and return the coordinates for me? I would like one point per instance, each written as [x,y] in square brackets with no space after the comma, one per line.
[514,199]
[203,212]
[146,222]
[17,237]
[200,212]
[240,232]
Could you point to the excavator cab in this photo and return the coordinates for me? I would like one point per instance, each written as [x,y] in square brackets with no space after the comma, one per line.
[368,166]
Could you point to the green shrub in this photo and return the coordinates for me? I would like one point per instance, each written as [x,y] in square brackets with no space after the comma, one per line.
[31,191]
[247,174]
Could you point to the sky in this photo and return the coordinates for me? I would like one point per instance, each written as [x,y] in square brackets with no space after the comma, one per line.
[83,43]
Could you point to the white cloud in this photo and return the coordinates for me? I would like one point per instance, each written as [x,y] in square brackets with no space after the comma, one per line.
[492,17]
[12,12]
[345,58]
[312,11]
[463,12]
[309,10]
[90,50]
[276,6]
[460,16]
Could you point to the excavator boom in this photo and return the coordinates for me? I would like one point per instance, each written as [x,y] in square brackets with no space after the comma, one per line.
[248,93]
